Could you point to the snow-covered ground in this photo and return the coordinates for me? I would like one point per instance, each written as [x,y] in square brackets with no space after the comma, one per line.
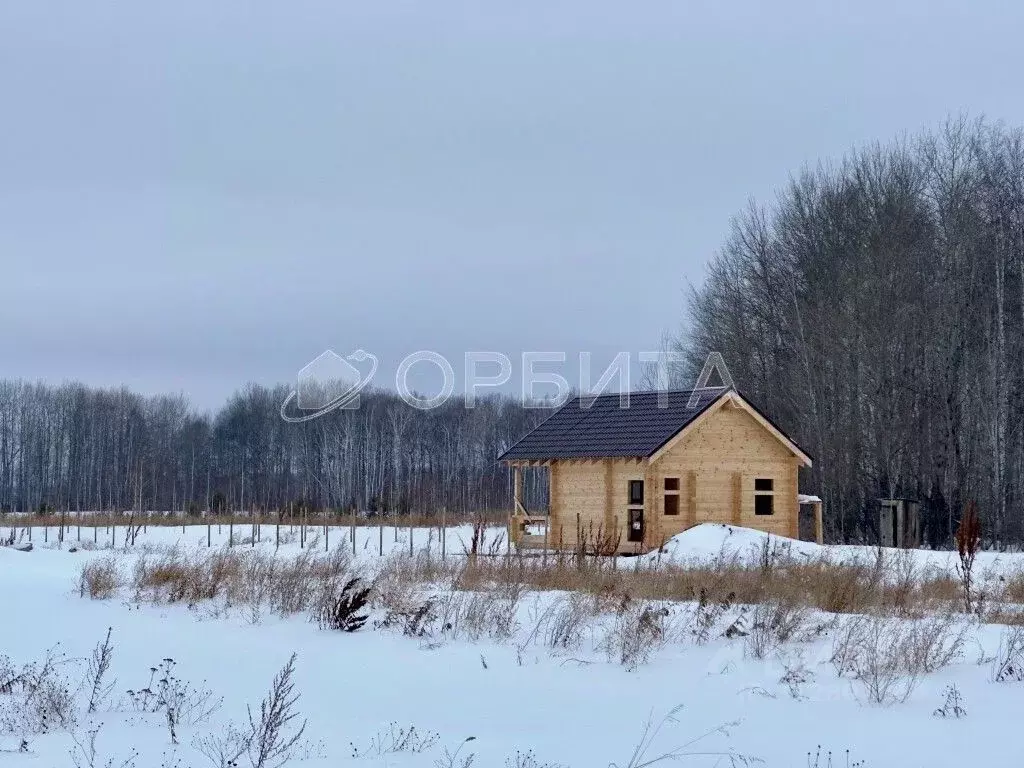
[577,708]
[712,542]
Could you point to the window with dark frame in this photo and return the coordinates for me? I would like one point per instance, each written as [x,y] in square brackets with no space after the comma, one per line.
[671,503]
[764,496]
[636,492]
[671,495]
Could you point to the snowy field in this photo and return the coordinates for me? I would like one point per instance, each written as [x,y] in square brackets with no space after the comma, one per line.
[512,700]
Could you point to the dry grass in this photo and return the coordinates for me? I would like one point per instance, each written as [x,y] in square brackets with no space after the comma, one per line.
[247,578]
[1013,588]
[99,579]
[886,583]
[848,587]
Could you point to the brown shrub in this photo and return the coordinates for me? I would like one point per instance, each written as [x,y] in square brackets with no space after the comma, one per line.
[99,579]
[1013,588]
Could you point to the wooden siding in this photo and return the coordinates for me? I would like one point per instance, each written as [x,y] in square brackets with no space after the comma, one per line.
[595,493]
[716,464]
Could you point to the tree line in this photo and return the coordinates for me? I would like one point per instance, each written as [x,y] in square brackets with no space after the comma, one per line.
[73,447]
[876,310]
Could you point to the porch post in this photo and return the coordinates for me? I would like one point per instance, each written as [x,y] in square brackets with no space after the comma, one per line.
[517,504]
[652,527]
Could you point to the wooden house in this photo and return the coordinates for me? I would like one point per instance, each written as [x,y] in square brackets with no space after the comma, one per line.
[626,477]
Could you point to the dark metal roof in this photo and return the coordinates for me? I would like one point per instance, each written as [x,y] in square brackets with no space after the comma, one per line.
[598,427]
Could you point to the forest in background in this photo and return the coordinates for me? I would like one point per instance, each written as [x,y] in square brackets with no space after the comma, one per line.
[876,310]
[78,448]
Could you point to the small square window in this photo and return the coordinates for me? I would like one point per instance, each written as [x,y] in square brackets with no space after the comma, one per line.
[764,504]
[636,491]
[764,484]
[671,483]
[671,503]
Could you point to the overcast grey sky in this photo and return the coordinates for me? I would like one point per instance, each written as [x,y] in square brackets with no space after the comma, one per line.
[199,193]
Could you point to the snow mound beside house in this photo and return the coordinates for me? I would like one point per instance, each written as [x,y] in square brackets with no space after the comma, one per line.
[714,541]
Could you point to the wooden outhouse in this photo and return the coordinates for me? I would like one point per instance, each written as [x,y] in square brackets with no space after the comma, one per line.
[899,523]
[627,474]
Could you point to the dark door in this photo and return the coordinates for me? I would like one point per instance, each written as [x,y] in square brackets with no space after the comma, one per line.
[636,525]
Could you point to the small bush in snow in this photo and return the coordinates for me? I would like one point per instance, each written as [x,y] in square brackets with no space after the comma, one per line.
[96,682]
[85,754]
[417,623]
[99,579]
[935,642]
[269,740]
[886,657]
[796,676]
[275,735]
[175,699]
[456,759]
[224,747]
[773,624]
[953,707]
[819,759]
[396,740]
[345,610]
[968,542]
[488,615]
[707,615]
[39,697]
[472,615]
[642,755]
[1008,665]
[397,587]
[566,623]
[879,668]
[528,759]
[636,632]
